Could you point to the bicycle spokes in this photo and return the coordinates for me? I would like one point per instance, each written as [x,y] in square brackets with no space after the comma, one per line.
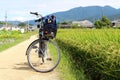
[45,59]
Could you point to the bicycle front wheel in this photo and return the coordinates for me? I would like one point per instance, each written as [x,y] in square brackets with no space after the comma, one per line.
[48,60]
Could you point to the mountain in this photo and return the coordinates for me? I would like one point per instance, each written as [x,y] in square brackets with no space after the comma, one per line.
[14,22]
[91,13]
[32,22]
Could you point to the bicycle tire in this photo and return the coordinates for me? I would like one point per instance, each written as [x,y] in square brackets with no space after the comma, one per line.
[53,51]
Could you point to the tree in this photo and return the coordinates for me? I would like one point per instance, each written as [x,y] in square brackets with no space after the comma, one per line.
[98,24]
[2,23]
[22,24]
[64,22]
[104,22]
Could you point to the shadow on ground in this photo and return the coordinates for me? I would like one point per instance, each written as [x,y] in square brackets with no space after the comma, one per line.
[22,66]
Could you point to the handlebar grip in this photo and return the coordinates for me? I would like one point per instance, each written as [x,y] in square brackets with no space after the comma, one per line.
[35,13]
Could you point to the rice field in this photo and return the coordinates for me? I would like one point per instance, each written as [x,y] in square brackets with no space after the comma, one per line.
[90,54]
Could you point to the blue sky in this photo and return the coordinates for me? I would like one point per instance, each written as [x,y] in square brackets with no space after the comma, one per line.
[19,9]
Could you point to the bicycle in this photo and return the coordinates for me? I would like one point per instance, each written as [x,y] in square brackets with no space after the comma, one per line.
[43,54]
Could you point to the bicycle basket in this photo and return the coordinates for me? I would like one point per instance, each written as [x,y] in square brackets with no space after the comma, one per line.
[49,30]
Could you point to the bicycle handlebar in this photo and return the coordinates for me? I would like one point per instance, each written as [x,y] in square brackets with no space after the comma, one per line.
[38,15]
[35,13]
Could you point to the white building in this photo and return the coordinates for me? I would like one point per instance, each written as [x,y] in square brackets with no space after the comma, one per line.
[13,28]
[116,23]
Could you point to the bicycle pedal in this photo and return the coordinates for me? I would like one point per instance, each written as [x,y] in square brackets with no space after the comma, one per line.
[41,63]
[49,59]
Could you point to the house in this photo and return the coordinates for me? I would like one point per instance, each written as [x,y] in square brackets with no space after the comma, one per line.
[31,28]
[84,24]
[9,27]
[15,28]
[116,23]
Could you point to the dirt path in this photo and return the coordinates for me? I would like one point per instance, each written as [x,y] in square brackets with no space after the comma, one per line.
[14,66]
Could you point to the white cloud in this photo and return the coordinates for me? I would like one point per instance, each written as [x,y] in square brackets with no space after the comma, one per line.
[20,8]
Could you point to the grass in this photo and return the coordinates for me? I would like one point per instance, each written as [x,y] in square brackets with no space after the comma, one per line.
[90,54]
[11,38]
[67,67]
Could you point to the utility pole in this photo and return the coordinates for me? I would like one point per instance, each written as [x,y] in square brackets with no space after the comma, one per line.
[102,11]
[6,18]
[28,27]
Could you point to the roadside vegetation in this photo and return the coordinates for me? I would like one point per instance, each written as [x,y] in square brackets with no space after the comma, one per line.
[11,38]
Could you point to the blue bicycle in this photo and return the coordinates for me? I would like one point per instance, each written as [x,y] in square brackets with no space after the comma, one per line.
[43,54]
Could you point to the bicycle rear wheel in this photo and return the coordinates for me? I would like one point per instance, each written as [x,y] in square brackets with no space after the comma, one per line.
[48,60]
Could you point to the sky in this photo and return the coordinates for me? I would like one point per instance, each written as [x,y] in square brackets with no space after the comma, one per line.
[18,10]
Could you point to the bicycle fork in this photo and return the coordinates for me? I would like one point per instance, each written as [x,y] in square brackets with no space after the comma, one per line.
[42,46]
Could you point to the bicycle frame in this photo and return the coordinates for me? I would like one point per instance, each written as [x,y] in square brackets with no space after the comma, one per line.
[41,33]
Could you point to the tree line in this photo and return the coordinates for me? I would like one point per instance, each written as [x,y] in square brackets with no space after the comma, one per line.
[21,24]
[104,22]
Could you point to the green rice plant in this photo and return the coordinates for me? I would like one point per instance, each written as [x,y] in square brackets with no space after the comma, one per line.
[97,51]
